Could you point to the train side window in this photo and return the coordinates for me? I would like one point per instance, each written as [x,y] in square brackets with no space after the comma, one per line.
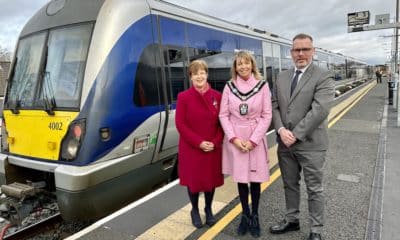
[173,39]
[339,68]
[323,65]
[219,65]
[272,59]
[174,60]
[286,58]
[269,61]
[146,85]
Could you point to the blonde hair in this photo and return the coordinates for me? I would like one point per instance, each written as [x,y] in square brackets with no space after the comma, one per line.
[245,55]
[196,66]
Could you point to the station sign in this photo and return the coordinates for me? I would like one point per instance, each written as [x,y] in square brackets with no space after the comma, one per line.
[358,18]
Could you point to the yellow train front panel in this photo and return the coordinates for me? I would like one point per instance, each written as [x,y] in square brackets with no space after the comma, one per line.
[36,134]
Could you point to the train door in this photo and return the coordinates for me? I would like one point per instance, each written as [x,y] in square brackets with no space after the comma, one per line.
[171,37]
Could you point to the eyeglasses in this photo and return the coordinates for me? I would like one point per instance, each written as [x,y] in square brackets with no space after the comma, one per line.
[298,50]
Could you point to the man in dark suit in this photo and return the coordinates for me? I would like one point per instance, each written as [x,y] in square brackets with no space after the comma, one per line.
[301,100]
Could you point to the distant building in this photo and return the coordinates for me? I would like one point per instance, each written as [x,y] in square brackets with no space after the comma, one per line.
[4,68]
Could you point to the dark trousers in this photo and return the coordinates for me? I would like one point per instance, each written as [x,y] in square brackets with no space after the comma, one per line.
[311,163]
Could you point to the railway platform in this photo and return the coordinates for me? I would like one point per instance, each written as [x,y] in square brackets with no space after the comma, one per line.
[362,173]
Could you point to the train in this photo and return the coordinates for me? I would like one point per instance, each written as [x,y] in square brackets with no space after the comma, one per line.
[90,100]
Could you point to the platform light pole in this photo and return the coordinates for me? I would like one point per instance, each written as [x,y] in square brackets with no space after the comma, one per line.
[359,21]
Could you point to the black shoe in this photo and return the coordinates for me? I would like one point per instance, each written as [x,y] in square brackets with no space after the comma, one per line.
[284,226]
[196,220]
[314,236]
[210,219]
[255,226]
[243,226]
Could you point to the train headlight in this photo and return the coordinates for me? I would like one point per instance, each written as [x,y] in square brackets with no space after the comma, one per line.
[72,141]
[72,148]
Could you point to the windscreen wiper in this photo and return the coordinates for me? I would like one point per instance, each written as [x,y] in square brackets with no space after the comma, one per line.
[49,105]
[15,107]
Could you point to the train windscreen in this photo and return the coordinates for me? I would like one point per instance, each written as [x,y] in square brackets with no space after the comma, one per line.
[49,68]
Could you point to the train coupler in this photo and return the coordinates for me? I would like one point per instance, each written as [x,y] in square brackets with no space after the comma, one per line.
[19,199]
[18,190]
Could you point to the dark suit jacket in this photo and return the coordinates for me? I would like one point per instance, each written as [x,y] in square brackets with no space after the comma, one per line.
[306,111]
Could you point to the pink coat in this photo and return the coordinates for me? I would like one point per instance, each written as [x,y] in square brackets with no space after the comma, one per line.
[251,166]
[197,120]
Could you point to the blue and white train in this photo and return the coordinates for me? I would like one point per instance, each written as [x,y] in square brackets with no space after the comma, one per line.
[90,101]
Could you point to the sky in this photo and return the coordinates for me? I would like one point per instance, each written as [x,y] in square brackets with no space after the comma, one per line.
[13,16]
[325,20]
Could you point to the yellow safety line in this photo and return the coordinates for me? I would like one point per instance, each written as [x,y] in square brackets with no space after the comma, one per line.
[346,109]
[221,224]
[232,214]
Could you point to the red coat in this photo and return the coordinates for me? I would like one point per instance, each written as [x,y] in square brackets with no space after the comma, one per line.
[197,120]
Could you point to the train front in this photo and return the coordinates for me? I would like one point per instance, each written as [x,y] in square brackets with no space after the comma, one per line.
[42,129]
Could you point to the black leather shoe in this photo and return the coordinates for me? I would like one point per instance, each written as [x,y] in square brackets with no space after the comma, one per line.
[244,225]
[210,219]
[196,220]
[314,236]
[284,227]
[255,226]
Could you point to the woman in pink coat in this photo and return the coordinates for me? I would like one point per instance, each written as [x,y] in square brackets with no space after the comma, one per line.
[200,141]
[245,116]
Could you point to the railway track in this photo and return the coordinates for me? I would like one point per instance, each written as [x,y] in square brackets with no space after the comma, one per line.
[29,211]
[50,227]
[42,226]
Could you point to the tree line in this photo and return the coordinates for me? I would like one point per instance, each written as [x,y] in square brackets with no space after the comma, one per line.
[5,54]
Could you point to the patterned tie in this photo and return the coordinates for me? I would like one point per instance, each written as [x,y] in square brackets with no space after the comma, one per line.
[294,81]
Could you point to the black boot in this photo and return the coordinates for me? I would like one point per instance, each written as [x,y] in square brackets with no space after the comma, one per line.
[255,226]
[194,199]
[244,225]
[196,220]
[208,197]
[210,219]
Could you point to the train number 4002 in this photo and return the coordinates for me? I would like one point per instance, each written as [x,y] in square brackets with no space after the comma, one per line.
[55,126]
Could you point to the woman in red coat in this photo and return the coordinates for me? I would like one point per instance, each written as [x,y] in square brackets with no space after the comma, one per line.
[200,141]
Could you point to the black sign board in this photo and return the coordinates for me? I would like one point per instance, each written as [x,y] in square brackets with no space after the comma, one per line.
[358,18]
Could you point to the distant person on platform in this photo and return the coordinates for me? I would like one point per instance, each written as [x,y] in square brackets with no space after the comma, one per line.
[245,116]
[378,74]
[200,141]
[301,100]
